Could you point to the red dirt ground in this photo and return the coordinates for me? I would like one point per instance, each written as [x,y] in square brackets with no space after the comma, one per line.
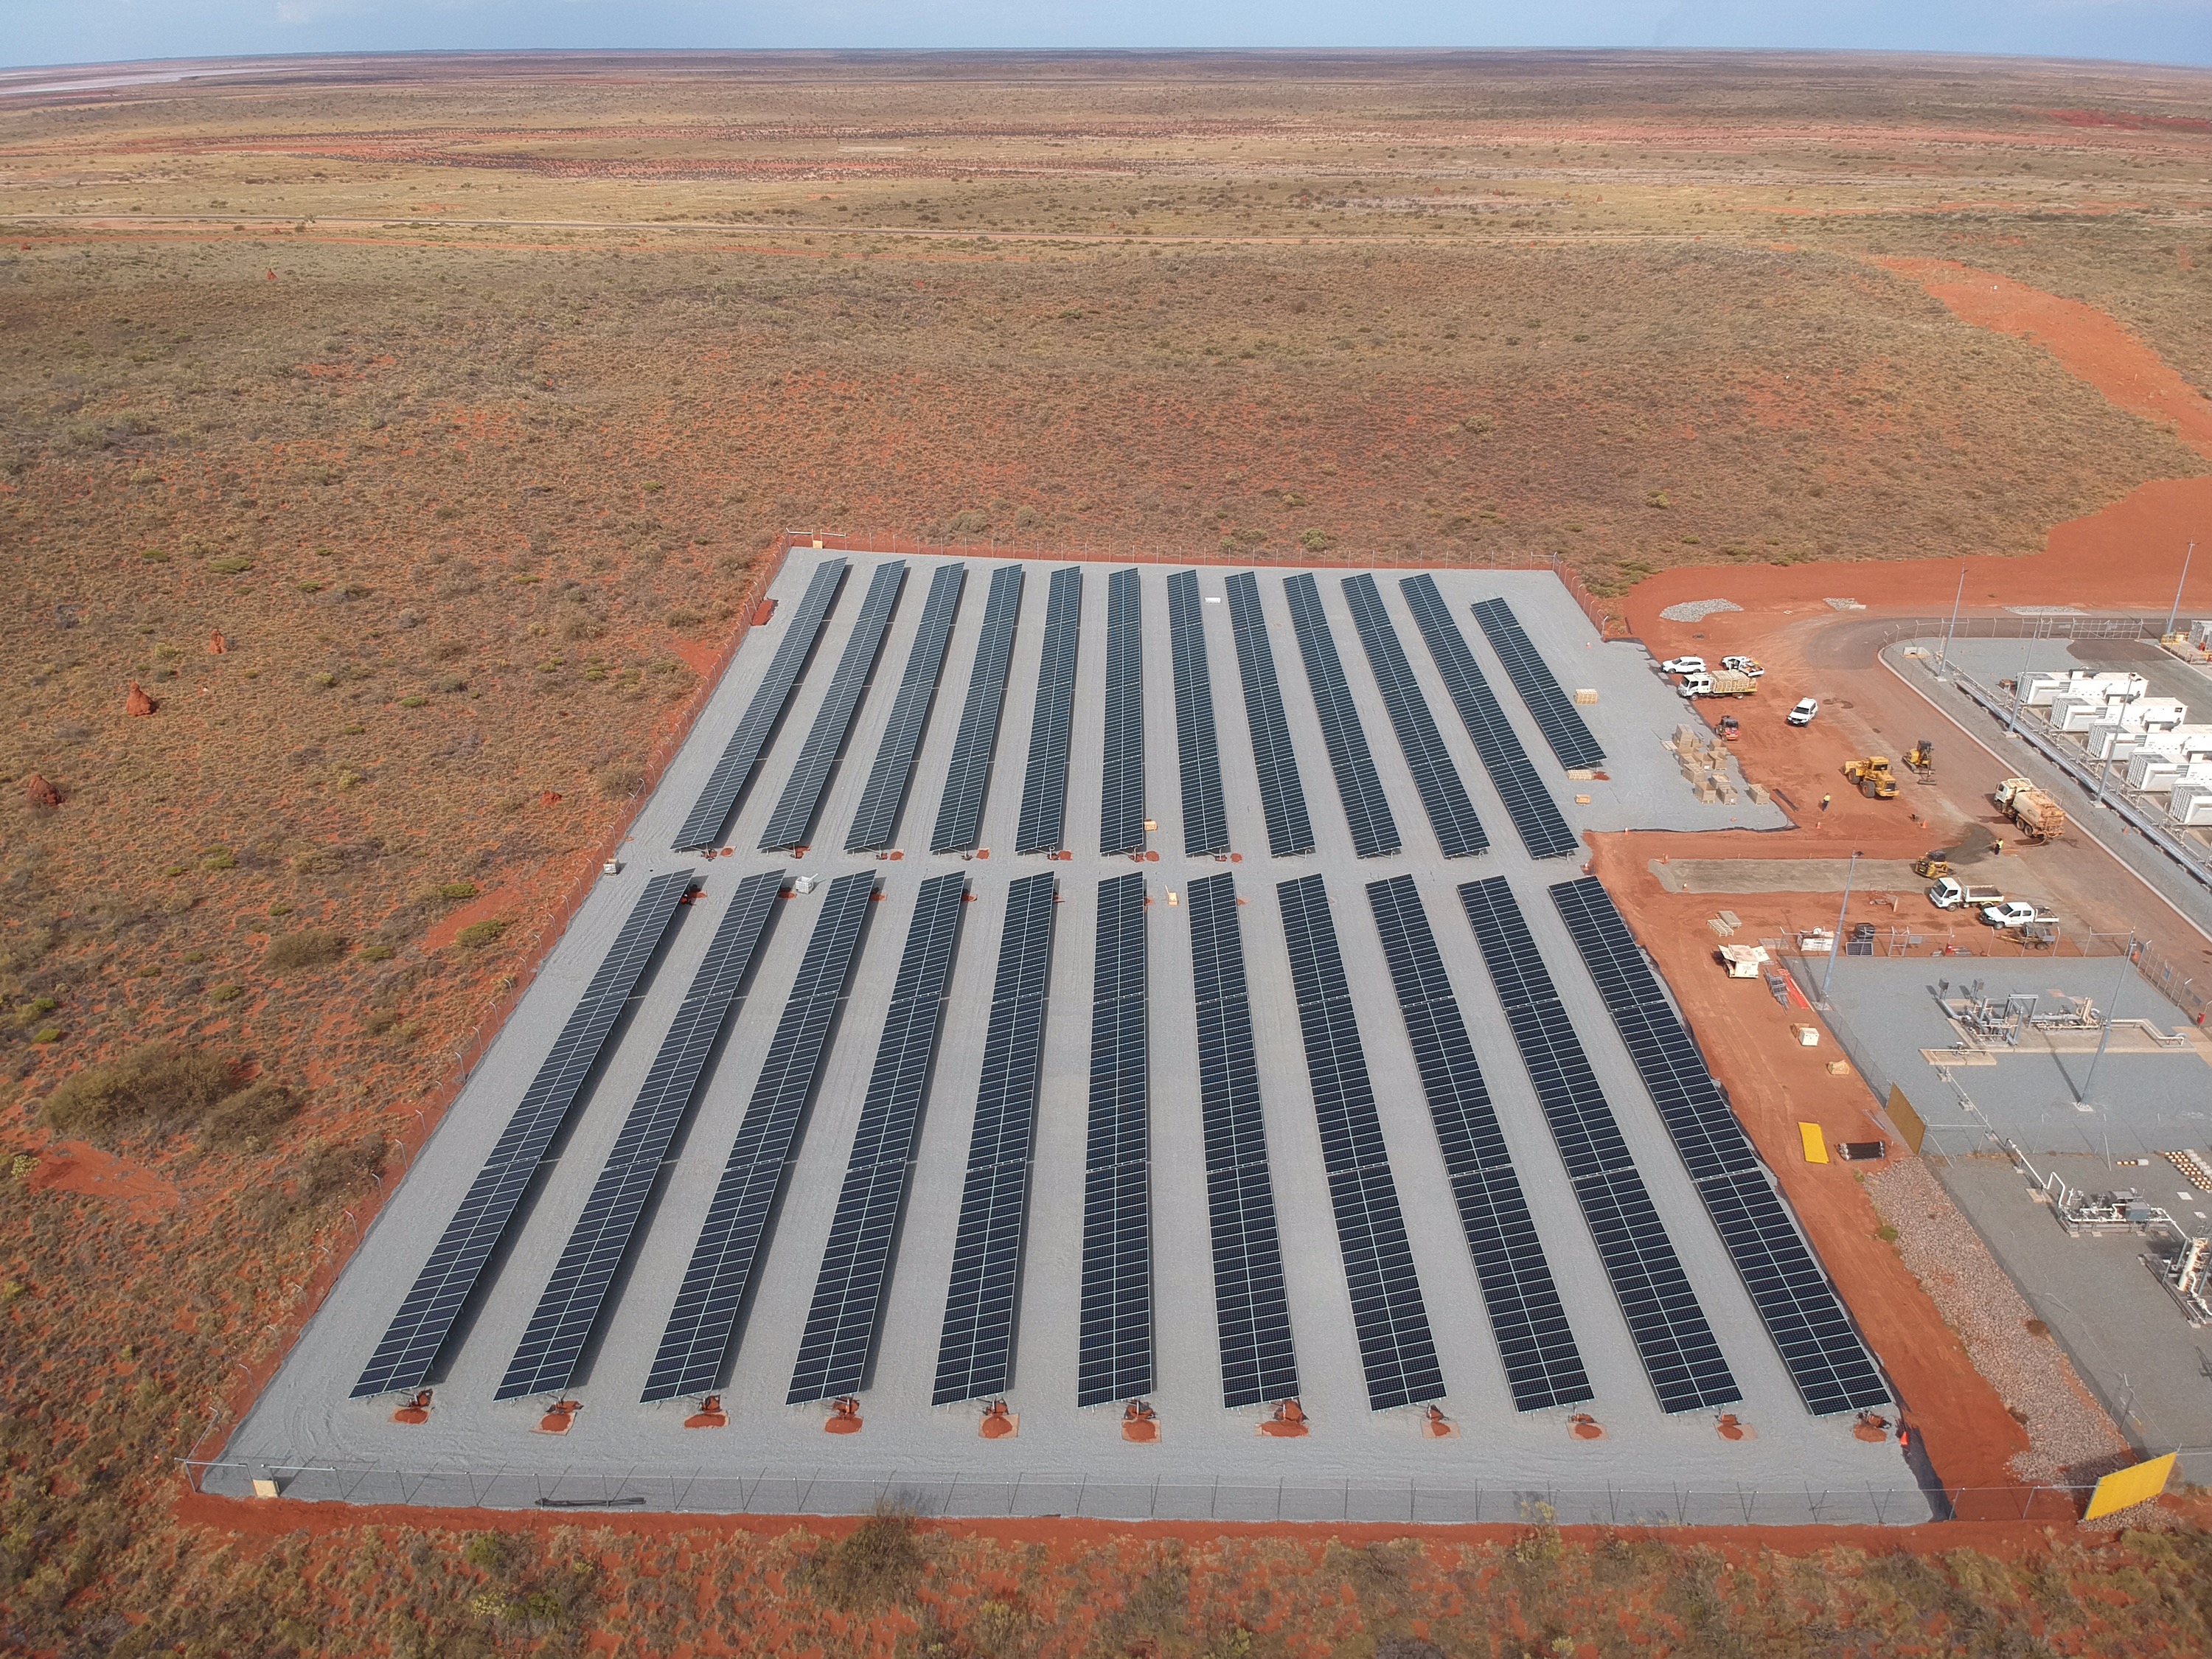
[76,1166]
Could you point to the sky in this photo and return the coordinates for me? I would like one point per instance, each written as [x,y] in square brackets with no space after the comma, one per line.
[34,32]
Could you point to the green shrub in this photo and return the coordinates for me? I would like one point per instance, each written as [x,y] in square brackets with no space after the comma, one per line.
[225,993]
[316,947]
[230,565]
[155,555]
[253,1114]
[219,858]
[877,1562]
[458,890]
[150,1088]
[477,934]
[414,700]
[376,953]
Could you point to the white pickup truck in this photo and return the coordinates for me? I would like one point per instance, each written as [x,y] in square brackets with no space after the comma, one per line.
[2014,913]
[1951,893]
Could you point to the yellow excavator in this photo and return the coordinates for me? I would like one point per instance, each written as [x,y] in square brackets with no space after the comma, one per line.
[1921,757]
[1872,774]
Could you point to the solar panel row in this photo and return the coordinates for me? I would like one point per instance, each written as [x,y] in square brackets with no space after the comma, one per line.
[569,1310]
[1044,825]
[1556,717]
[1121,797]
[1366,809]
[960,812]
[875,823]
[1396,1351]
[1282,795]
[1459,832]
[792,823]
[1542,829]
[704,1319]
[1823,1354]
[1680,1354]
[1543,1367]
[418,1331]
[839,1341]
[702,826]
[1115,1339]
[1204,812]
[1258,1362]
[975,1355]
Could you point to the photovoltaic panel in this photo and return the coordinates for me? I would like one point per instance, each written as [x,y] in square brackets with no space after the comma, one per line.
[1258,1361]
[1122,796]
[704,1319]
[545,1360]
[1825,1356]
[975,1355]
[1205,812]
[792,822]
[727,784]
[1459,832]
[1044,825]
[1543,830]
[1397,1350]
[1282,794]
[1543,1367]
[1558,720]
[960,813]
[876,820]
[1114,1333]
[1684,1363]
[840,1338]
[1374,831]
[418,1331]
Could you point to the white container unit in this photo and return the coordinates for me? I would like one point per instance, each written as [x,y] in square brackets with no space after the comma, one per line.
[2153,714]
[2193,802]
[2108,739]
[2153,775]
[2075,713]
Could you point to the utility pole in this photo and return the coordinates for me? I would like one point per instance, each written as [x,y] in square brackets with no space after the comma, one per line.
[1836,943]
[1943,660]
[2176,610]
[2104,1036]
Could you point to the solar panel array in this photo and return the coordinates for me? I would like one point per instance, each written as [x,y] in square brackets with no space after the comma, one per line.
[1684,1363]
[713,1295]
[1536,815]
[1258,1361]
[1044,825]
[702,826]
[1824,1357]
[1204,812]
[960,812]
[840,1338]
[975,1355]
[1459,832]
[1543,1367]
[1121,797]
[1396,1351]
[1282,795]
[793,821]
[1366,809]
[418,1331]
[1556,717]
[1113,1359]
[545,1360]
[875,821]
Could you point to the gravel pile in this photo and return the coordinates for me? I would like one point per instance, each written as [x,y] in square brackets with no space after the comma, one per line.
[2070,1437]
[1694,611]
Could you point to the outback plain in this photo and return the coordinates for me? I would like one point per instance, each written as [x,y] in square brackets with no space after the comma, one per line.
[391,452]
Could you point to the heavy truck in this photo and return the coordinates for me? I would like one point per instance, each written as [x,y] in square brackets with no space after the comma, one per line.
[2040,817]
[1727,682]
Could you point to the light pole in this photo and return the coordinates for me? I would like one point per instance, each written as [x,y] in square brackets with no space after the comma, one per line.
[2105,1036]
[1836,943]
[1943,660]
[2176,610]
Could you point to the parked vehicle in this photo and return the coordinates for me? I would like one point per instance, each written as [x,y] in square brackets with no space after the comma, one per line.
[1872,774]
[1683,666]
[2040,817]
[1949,893]
[1731,727]
[2014,913]
[1743,665]
[1726,684]
[1803,713]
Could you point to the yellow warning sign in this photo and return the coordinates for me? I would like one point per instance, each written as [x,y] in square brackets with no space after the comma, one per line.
[2125,1488]
[1816,1149]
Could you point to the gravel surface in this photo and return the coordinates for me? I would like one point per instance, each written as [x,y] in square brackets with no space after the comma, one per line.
[1694,611]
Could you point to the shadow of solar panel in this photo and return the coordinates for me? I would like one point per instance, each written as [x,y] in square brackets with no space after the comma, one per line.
[1043,824]
[1535,815]
[545,1360]
[1122,796]
[875,821]
[975,1355]
[1258,1361]
[1366,810]
[960,812]
[1282,794]
[1543,1367]
[1822,1351]
[838,1343]
[1205,812]
[1459,831]
[1563,727]
[703,827]
[1672,1335]
[418,1331]
[792,823]
[1114,1326]
[704,1320]
[1396,1351]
